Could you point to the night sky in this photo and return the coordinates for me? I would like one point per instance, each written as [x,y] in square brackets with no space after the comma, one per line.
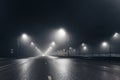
[88,21]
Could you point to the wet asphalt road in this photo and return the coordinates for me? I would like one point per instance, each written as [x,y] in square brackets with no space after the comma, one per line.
[52,68]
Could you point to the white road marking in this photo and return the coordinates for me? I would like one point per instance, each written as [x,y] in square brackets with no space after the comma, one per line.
[6,66]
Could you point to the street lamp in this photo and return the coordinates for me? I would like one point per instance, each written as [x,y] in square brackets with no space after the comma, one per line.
[105,44]
[116,35]
[53,43]
[25,39]
[32,44]
[61,33]
[83,44]
[24,36]
[61,37]
[84,47]
[106,47]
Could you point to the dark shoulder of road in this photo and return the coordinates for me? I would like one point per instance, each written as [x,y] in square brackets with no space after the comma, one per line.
[53,68]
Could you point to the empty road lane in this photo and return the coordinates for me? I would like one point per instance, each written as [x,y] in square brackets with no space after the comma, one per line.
[53,68]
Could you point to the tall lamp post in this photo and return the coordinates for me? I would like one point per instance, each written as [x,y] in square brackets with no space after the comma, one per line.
[24,37]
[116,36]
[84,47]
[105,45]
[63,36]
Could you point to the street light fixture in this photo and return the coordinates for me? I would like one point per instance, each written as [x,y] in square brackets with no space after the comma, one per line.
[32,44]
[85,48]
[53,43]
[106,47]
[60,35]
[105,44]
[24,36]
[61,32]
[83,44]
[116,35]
[63,37]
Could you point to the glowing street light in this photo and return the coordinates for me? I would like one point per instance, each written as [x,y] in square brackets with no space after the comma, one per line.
[105,44]
[116,36]
[24,36]
[53,44]
[61,32]
[106,47]
[63,37]
[26,40]
[85,48]
[83,44]
[32,43]
[60,35]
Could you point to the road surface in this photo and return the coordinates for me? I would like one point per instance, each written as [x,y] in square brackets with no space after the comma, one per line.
[52,68]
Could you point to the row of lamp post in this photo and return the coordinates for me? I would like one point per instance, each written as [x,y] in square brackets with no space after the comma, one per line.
[104,45]
[50,48]
[61,35]
[24,38]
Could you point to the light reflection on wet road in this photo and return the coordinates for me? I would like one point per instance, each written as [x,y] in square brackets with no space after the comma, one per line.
[50,68]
